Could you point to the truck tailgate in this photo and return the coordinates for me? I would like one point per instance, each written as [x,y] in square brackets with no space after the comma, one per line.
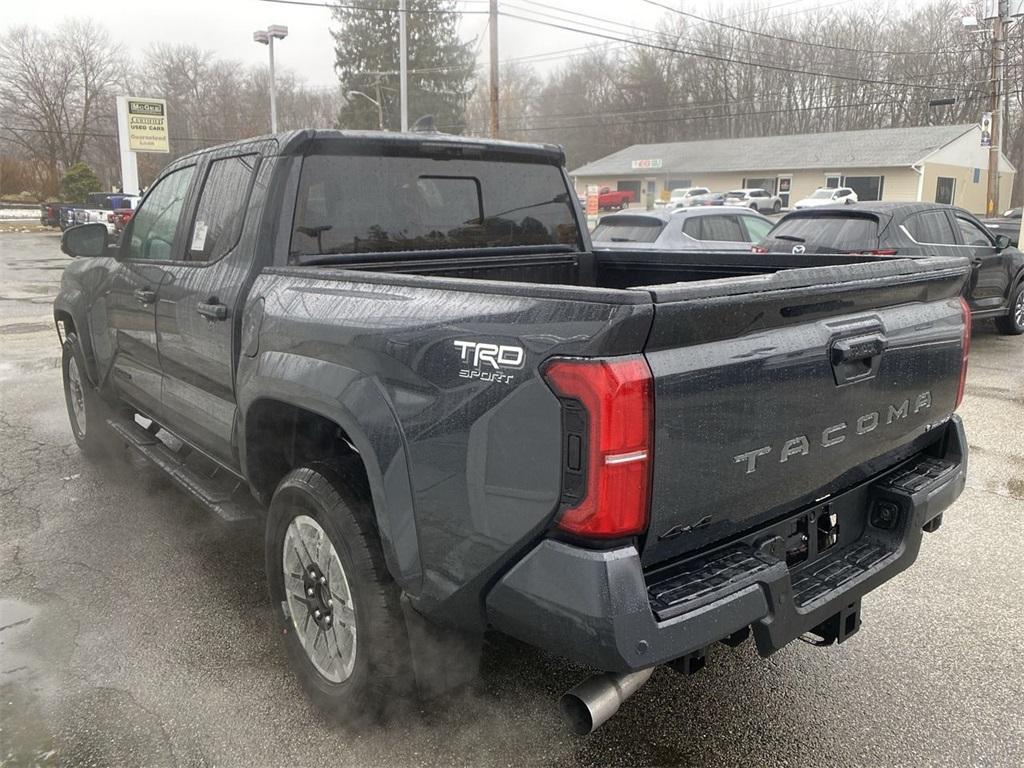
[804,382]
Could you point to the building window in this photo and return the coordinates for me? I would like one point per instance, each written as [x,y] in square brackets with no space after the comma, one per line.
[977,175]
[867,187]
[945,190]
[678,184]
[768,185]
[833,181]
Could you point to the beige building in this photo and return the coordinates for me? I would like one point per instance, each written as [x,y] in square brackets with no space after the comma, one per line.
[944,163]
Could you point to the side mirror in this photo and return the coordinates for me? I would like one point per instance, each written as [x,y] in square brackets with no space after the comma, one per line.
[1002,242]
[85,240]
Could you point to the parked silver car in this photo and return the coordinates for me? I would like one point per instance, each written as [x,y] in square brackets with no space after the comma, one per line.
[714,229]
[757,199]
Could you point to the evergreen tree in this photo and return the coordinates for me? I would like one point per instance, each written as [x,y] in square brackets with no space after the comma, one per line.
[440,65]
[79,181]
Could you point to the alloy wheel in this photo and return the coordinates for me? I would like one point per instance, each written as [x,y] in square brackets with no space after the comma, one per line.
[319,599]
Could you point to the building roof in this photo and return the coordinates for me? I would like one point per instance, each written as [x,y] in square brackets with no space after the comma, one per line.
[876,148]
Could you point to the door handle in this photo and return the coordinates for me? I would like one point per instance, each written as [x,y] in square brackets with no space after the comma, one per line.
[145,295]
[212,310]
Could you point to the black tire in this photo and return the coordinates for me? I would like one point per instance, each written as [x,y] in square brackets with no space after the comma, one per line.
[1013,323]
[87,412]
[776,206]
[335,496]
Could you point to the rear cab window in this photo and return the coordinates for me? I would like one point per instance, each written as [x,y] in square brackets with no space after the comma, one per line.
[827,234]
[349,204]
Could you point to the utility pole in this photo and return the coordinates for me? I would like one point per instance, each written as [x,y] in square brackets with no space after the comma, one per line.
[996,107]
[495,126]
[403,65]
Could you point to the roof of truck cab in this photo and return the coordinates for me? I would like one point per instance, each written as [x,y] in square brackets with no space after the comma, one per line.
[302,141]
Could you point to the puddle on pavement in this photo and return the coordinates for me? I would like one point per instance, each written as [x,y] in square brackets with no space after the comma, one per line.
[19,328]
[25,738]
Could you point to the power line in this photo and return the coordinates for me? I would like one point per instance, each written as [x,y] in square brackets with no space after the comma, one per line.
[331,6]
[783,39]
[742,62]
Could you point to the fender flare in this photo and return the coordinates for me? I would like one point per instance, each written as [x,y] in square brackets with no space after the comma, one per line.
[354,402]
[67,303]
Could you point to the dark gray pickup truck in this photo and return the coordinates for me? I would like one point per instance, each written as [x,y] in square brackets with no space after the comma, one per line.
[401,354]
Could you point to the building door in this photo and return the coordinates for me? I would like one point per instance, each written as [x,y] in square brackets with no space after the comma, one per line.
[784,185]
[945,190]
[652,192]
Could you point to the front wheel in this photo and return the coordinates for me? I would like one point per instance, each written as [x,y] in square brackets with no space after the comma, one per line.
[336,603]
[87,412]
[1013,323]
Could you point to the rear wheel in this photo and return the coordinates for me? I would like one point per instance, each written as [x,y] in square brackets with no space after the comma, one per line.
[777,206]
[1013,323]
[333,598]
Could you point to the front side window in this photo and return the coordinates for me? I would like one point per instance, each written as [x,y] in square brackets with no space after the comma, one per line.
[156,220]
[221,208]
[358,204]
[757,228]
[973,234]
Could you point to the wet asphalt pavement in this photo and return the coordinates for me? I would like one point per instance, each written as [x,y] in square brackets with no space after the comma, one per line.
[135,630]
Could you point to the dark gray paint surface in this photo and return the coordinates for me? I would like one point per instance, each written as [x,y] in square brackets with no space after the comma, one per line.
[464,473]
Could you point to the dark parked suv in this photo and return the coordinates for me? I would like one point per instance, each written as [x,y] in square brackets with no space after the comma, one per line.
[996,287]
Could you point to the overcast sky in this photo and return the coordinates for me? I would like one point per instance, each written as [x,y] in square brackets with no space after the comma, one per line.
[226,26]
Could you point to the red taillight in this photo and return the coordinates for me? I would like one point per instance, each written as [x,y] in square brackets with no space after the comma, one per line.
[617,396]
[965,349]
[876,252]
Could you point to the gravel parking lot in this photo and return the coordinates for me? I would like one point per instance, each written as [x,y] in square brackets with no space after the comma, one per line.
[135,630]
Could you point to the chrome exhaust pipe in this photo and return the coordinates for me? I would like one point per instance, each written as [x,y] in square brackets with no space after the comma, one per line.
[591,703]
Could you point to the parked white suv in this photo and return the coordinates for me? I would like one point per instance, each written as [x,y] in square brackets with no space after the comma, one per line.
[827,196]
[683,197]
[757,199]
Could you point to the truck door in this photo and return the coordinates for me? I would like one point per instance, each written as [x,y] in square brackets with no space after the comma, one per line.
[991,279]
[198,307]
[153,238]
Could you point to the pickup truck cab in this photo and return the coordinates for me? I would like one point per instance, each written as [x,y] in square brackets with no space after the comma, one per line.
[611,199]
[400,355]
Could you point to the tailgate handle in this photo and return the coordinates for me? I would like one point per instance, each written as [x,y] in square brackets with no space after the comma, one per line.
[857,358]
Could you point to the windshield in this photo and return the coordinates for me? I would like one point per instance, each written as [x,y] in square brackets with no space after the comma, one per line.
[737,193]
[827,234]
[823,194]
[355,204]
[628,229]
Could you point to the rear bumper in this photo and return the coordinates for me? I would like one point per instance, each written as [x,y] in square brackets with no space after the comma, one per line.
[600,608]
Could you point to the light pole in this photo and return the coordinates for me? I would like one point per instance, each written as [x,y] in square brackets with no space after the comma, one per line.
[375,102]
[266,37]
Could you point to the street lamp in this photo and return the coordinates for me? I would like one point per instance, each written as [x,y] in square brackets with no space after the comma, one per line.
[375,102]
[266,37]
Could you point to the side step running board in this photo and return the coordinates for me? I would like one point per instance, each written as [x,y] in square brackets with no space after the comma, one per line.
[221,493]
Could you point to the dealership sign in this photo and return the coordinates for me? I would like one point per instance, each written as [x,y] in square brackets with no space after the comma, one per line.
[640,165]
[147,125]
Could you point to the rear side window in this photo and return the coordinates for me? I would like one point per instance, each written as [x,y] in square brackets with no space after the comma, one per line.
[628,229]
[221,209]
[722,229]
[351,204]
[828,234]
[931,227]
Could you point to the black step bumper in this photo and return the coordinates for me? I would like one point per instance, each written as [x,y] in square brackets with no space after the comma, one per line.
[600,608]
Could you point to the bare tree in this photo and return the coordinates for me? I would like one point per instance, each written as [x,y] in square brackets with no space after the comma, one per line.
[53,91]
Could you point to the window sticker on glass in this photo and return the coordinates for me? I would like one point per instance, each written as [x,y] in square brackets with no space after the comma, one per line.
[199,236]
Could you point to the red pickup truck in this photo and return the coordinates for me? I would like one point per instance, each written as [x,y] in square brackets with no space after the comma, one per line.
[615,200]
